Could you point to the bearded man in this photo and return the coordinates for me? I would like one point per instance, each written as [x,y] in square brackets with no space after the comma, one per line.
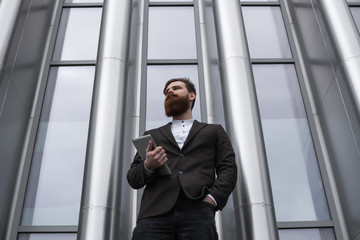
[204,173]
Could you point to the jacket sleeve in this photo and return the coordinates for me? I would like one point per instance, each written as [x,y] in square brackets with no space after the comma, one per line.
[226,169]
[136,174]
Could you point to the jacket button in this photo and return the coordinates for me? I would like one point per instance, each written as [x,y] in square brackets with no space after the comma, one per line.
[182,155]
[181,173]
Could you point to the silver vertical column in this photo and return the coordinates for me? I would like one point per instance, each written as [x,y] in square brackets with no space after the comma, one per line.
[253,203]
[100,203]
[138,87]
[205,60]
[345,36]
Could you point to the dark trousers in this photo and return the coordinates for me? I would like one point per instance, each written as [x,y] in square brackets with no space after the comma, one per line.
[189,219]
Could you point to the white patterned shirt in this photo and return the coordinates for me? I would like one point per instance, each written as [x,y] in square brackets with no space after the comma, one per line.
[180,130]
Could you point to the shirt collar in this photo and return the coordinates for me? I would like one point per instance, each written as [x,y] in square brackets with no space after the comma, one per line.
[186,121]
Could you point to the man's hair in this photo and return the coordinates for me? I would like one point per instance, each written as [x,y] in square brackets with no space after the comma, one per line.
[188,84]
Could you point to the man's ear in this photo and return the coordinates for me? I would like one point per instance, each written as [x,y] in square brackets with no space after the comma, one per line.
[192,96]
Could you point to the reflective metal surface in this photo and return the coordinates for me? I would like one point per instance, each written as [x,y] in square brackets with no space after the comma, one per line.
[345,37]
[205,60]
[319,129]
[341,109]
[136,106]
[10,123]
[253,202]
[20,88]
[330,51]
[101,199]
[8,13]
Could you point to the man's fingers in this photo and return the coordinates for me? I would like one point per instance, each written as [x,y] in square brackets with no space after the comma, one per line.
[149,147]
[161,155]
[156,154]
[164,158]
[158,151]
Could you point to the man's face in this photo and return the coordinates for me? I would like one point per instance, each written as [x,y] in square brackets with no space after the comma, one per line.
[177,99]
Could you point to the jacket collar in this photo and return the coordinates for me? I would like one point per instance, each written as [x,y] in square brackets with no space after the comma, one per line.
[166,131]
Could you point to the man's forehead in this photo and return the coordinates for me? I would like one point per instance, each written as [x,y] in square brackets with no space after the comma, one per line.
[176,83]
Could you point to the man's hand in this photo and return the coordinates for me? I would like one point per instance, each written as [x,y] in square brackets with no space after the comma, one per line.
[155,158]
[209,200]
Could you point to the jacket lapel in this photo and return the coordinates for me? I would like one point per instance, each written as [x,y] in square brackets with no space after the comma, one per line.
[197,126]
[166,131]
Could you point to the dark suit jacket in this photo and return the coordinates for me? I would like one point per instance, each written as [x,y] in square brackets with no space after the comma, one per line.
[207,151]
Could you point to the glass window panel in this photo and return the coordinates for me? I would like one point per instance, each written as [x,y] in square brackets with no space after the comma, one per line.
[78,34]
[266,33]
[295,178]
[54,189]
[157,77]
[171,33]
[356,15]
[313,234]
[47,236]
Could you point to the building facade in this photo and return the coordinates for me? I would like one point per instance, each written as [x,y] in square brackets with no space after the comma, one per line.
[80,78]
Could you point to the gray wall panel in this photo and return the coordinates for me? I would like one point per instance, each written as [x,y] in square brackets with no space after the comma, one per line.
[18,82]
[30,52]
[337,111]
[12,129]
[345,155]
[352,115]
[321,71]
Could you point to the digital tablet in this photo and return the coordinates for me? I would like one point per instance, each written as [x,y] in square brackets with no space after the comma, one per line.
[141,144]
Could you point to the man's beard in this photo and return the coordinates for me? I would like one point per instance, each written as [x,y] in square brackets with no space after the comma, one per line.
[176,105]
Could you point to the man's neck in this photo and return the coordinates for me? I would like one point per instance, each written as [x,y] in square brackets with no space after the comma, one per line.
[186,115]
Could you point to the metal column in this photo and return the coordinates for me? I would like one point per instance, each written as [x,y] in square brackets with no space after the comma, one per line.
[101,197]
[345,36]
[205,61]
[253,203]
[138,90]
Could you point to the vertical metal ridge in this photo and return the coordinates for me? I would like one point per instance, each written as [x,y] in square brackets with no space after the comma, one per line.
[139,91]
[101,195]
[204,67]
[205,61]
[253,203]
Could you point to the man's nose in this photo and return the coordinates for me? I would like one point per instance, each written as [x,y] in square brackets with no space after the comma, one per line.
[170,92]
